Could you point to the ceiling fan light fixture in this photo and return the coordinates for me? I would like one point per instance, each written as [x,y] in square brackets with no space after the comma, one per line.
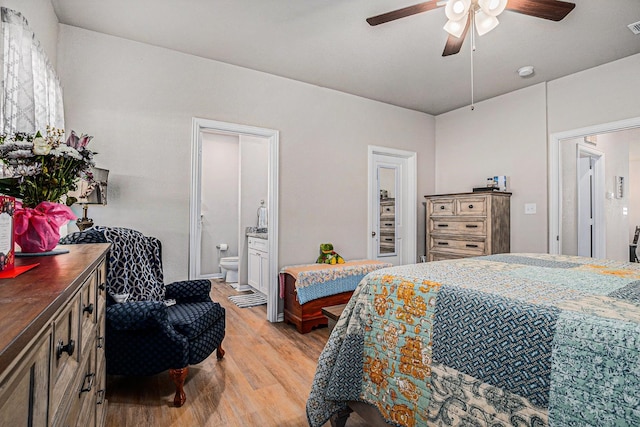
[455,28]
[457,9]
[492,7]
[485,23]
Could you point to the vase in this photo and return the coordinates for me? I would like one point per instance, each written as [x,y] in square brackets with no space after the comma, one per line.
[38,229]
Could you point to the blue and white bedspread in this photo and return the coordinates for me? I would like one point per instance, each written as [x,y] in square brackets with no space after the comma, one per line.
[502,340]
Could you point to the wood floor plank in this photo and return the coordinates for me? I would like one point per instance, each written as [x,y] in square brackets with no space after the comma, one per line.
[263,380]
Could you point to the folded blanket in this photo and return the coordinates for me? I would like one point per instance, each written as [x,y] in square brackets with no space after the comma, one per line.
[315,281]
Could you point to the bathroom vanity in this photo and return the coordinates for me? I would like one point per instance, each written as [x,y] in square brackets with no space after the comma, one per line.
[258,270]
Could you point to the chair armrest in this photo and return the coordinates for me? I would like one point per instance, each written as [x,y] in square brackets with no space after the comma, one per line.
[137,315]
[189,291]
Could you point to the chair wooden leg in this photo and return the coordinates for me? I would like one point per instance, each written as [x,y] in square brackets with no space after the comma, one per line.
[220,352]
[178,376]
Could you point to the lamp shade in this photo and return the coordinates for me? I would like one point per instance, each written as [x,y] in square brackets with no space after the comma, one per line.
[457,9]
[485,23]
[455,28]
[492,7]
[94,192]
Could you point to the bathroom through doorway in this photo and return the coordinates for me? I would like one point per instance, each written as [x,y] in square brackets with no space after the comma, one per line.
[234,174]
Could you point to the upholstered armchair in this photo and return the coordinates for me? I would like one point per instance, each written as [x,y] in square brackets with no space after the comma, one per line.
[149,333]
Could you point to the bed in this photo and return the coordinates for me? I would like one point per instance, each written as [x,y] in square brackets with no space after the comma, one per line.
[307,288]
[500,340]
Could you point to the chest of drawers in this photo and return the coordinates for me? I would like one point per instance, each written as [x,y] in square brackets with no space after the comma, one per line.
[52,363]
[467,224]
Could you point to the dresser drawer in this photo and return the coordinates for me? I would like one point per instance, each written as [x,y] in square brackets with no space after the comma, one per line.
[438,256]
[471,206]
[64,363]
[475,227]
[101,290]
[258,244]
[464,246]
[442,207]
[387,210]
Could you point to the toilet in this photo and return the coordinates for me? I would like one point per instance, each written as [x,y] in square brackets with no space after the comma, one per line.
[229,269]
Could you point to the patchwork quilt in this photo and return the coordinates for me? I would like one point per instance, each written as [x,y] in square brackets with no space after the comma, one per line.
[501,340]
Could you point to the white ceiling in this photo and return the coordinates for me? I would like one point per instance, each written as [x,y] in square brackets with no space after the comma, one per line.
[329,44]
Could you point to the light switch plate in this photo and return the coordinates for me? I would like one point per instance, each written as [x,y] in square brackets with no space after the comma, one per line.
[530,208]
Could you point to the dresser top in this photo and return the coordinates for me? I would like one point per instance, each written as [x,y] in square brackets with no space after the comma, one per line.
[474,193]
[29,301]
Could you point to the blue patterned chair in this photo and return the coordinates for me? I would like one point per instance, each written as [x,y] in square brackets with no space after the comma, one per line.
[144,336]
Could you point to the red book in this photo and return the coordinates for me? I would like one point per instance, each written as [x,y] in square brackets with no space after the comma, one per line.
[7,207]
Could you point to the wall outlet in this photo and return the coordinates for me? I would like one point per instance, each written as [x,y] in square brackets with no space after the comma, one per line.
[530,208]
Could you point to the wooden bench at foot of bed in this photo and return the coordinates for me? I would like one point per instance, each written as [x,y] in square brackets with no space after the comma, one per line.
[307,316]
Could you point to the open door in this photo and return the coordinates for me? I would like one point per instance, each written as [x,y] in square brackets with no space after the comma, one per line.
[392,206]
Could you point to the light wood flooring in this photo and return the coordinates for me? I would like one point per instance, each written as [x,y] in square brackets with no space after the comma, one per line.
[263,380]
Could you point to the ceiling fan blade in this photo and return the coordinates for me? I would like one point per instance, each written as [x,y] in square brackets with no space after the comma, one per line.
[404,12]
[554,10]
[454,44]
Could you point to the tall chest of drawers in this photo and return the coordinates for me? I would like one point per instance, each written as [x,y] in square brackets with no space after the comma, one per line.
[467,224]
[52,361]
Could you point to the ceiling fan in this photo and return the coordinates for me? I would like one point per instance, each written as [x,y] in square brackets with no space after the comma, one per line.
[478,14]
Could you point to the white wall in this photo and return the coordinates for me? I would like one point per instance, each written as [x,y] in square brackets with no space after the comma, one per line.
[138,102]
[220,183]
[42,20]
[505,135]
[603,94]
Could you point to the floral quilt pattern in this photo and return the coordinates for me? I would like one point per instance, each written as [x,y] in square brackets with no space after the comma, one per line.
[503,340]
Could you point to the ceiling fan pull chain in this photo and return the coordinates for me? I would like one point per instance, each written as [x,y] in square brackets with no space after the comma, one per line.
[473,48]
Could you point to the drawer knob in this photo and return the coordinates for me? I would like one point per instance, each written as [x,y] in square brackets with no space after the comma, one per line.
[443,225]
[100,342]
[470,206]
[443,243]
[472,226]
[102,287]
[442,207]
[88,309]
[62,348]
[471,246]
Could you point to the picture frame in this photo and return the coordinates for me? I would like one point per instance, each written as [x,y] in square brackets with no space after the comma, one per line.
[636,235]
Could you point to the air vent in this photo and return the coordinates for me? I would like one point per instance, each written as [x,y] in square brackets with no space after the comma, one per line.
[635,27]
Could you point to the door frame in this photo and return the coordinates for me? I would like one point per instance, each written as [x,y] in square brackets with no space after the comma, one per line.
[555,190]
[198,125]
[409,203]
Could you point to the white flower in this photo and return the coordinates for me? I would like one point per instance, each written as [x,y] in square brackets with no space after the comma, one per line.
[41,146]
[66,151]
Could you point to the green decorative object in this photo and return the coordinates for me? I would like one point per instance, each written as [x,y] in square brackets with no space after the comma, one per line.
[328,255]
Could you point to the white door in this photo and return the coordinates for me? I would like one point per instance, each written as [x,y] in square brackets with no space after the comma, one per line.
[392,206]
[585,206]
[590,202]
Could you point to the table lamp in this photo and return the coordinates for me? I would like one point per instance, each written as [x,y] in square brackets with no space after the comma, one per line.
[92,192]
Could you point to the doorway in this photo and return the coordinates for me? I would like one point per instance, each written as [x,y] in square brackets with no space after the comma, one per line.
[562,241]
[268,137]
[392,205]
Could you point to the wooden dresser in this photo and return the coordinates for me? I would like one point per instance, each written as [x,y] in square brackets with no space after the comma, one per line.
[467,224]
[52,318]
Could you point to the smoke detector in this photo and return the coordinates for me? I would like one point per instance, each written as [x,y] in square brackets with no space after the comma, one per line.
[526,71]
[635,27]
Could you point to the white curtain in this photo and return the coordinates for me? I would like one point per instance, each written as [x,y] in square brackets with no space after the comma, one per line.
[31,93]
